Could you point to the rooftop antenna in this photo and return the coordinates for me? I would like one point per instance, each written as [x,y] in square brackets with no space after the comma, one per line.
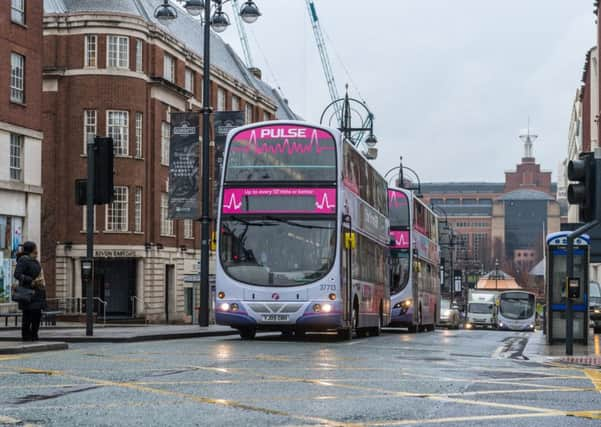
[528,139]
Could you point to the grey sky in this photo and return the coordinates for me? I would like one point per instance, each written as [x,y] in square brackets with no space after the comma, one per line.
[451,83]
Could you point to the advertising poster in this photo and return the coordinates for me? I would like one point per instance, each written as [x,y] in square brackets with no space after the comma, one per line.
[183,166]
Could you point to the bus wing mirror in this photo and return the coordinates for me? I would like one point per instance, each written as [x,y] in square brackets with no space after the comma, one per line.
[392,242]
[350,240]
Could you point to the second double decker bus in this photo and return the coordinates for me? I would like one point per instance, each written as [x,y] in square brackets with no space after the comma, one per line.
[414,262]
[303,233]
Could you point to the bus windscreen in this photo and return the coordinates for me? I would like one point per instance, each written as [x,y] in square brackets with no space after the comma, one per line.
[280,153]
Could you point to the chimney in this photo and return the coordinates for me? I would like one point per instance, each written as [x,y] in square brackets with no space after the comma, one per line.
[256,72]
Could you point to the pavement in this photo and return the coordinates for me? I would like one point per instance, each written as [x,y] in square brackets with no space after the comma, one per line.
[584,355]
[443,378]
[116,334]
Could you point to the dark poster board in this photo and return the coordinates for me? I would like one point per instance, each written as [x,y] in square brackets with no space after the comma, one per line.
[183,166]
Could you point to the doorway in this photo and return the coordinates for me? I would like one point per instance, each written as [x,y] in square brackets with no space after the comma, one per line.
[169,292]
[115,283]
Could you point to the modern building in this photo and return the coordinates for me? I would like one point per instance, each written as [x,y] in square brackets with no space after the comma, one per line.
[499,221]
[20,130]
[110,68]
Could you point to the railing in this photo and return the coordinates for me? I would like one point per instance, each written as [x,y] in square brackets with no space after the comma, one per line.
[77,305]
[134,306]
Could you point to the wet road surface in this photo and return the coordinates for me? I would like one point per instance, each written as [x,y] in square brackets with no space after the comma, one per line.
[447,378]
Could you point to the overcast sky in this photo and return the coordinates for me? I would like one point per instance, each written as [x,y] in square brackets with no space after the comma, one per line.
[451,82]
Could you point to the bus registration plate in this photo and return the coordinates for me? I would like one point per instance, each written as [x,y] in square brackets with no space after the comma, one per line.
[276,317]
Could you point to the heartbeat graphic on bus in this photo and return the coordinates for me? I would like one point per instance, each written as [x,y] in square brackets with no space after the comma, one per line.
[325,203]
[233,204]
[287,147]
[401,239]
[396,200]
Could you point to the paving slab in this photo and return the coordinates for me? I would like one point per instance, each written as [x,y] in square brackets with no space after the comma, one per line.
[585,355]
[18,347]
[126,333]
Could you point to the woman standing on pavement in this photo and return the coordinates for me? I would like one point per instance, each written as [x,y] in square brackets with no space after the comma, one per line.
[29,274]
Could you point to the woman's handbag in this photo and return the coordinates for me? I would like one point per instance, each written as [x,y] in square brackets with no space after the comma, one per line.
[22,294]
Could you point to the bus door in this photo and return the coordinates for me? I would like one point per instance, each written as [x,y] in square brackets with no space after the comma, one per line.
[349,243]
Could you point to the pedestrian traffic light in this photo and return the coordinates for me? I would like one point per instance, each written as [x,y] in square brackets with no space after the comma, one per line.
[103,170]
[582,192]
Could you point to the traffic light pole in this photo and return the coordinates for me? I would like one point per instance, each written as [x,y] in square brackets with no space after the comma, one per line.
[570,256]
[88,267]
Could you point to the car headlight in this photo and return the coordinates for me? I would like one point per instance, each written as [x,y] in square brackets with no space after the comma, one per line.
[597,310]
[403,304]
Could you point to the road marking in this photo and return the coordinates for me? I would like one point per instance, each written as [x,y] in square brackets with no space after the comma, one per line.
[595,376]
[461,419]
[11,357]
[201,399]
[591,415]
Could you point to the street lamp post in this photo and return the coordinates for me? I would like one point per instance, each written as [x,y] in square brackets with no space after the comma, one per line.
[249,12]
[401,168]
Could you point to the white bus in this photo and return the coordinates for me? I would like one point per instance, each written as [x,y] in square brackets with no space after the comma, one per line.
[302,234]
[414,262]
[516,310]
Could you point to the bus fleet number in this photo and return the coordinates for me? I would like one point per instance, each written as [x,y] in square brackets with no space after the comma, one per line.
[331,288]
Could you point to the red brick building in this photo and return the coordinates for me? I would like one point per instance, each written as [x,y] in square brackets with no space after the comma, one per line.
[503,221]
[111,69]
[20,130]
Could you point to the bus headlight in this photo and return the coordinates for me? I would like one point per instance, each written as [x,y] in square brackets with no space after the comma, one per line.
[225,307]
[501,324]
[316,308]
[332,297]
[403,304]
[326,308]
[234,307]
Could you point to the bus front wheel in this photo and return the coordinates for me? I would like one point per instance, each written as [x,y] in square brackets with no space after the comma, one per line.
[248,334]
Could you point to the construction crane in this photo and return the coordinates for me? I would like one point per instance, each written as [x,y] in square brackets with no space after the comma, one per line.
[323,54]
[242,33]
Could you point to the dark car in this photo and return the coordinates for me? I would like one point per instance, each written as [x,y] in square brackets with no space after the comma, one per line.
[595,305]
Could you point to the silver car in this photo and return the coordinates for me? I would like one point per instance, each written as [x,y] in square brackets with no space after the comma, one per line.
[449,314]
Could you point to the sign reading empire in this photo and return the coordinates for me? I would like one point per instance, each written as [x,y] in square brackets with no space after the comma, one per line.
[183,166]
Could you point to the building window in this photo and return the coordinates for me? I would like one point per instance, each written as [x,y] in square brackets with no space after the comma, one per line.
[90,51]
[189,83]
[17,11]
[166,223]
[138,210]
[118,52]
[188,229]
[235,103]
[89,127]
[165,140]
[84,221]
[17,78]
[139,145]
[248,113]
[16,157]
[169,68]
[220,99]
[116,212]
[265,116]
[117,127]
[139,56]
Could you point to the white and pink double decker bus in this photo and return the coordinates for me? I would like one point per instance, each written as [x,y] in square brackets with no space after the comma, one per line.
[303,234]
[414,262]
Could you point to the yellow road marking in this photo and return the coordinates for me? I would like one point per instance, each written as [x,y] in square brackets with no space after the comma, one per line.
[591,415]
[6,357]
[595,376]
[205,400]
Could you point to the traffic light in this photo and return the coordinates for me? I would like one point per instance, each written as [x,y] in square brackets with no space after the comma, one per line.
[582,192]
[103,170]
[103,175]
